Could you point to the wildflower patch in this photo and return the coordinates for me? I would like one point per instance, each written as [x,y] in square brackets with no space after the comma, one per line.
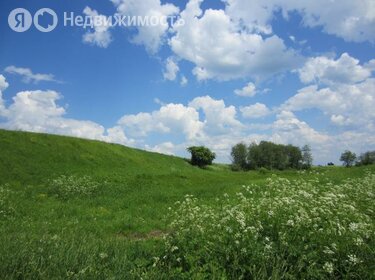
[66,187]
[302,228]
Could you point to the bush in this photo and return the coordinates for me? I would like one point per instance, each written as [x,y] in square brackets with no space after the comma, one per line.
[201,156]
[263,171]
[236,168]
[72,186]
[299,229]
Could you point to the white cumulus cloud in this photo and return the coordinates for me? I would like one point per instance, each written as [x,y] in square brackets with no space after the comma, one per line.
[258,110]
[171,69]
[3,86]
[345,104]
[28,76]
[101,35]
[170,118]
[348,19]
[38,111]
[151,36]
[184,81]
[218,118]
[344,70]
[248,91]
[222,50]
[167,148]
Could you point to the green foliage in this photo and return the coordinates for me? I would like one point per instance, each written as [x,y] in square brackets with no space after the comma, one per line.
[273,156]
[263,171]
[302,229]
[294,156]
[201,156]
[307,159]
[367,158]
[239,157]
[348,158]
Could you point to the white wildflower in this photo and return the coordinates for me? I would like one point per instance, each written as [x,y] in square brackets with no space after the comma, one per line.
[103,255]
[353,259]
[328,267]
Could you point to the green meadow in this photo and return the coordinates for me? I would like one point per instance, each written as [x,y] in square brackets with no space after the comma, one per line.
[80,209]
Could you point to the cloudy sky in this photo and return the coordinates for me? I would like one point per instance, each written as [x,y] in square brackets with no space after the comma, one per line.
[288,71]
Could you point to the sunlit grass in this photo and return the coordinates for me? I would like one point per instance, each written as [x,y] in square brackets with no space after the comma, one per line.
[52,227]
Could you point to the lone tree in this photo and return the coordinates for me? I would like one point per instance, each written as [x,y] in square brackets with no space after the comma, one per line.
[201,156]
[239,157]
[348,158]
[307,158]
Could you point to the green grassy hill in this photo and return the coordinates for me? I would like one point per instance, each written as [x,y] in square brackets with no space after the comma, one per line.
[31,157]
[134,179]
[47,235]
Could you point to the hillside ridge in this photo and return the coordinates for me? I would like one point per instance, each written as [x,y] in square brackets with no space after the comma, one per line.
[63,154]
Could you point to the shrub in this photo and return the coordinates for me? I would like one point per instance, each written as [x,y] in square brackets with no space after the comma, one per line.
[236,168]
[72,186]
[299,229]
[263,171]
[201,156]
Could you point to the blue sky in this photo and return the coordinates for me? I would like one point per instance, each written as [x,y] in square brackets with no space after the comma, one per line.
[296,72]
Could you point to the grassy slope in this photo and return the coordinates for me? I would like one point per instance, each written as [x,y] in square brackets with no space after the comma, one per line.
[137,179]
[141,186]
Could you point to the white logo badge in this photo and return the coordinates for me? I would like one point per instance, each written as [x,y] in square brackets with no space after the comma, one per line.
[20,20]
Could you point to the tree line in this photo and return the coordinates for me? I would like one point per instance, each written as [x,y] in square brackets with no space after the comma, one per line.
[273,156]
[270,156]
[349,158]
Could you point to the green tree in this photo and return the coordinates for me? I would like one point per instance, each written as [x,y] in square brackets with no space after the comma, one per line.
[201,156]
[273,156]
[348,158]
[367,158]
[239,157]
[253,156]
[294,156]
[307,158]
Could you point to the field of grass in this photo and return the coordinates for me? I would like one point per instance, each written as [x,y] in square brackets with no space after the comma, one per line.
[79,209]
